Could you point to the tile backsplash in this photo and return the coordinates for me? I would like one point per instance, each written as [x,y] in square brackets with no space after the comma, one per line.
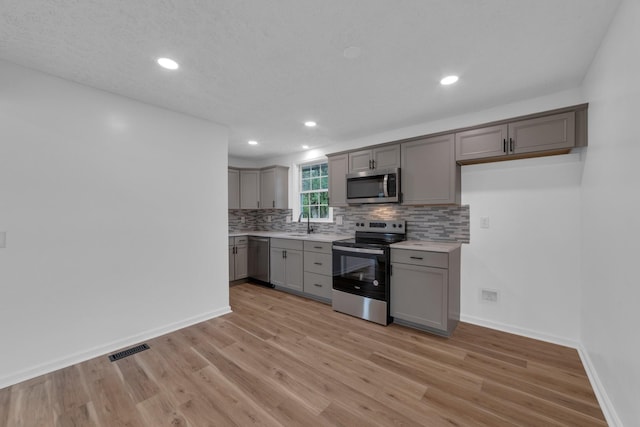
[444,223]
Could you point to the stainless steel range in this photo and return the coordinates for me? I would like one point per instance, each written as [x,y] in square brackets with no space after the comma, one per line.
[361,270]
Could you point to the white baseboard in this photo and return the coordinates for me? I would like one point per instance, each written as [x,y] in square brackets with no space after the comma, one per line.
[81,356]
[603,399]
[607,407]
[529,333]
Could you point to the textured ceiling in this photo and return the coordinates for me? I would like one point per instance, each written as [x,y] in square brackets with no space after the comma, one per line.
[263,67]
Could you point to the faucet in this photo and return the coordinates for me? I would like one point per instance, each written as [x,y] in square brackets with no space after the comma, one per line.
[309,228]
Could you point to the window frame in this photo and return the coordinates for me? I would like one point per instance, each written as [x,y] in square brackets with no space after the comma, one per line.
[299,191]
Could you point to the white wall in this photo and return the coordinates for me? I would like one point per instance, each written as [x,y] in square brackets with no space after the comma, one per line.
[530,253]
[610,224]
[111,212]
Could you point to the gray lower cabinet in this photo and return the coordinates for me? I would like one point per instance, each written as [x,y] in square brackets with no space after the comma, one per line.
[425,289]
[430,174]
[286,264]
[238,257]
[318,279]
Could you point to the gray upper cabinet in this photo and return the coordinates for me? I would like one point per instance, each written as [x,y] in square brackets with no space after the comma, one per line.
[234,189]
[518,138]
[542,133]
[385,157]
[249,189]
[274,188]
[338,168]
[481,143]
[429,172]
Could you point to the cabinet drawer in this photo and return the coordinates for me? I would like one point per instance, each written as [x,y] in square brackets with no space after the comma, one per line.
[317,263]
[425,258]
[286,244]
[242,240]
[324,247]
[318,284]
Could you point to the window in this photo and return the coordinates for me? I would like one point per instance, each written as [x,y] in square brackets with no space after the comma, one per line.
[314,191]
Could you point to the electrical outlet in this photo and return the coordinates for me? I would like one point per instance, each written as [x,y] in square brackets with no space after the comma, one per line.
[484,222]
[288,219]
[242,220]
[489,295]
[339,219]
[268,218]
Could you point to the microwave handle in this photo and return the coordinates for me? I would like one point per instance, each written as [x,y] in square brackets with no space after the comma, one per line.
[385,185]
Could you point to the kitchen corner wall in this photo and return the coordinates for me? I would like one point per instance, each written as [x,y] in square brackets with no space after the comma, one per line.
[444,223]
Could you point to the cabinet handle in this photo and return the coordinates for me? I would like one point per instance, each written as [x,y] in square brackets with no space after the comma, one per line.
[504,145]
[317,247]
[357,287]
[317,263]
[318,285]
[416,257]
[274,203]
[373,164]
[370,164]
[258,203]
[511,144]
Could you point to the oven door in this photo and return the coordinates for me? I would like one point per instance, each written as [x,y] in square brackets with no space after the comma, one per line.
[361,271]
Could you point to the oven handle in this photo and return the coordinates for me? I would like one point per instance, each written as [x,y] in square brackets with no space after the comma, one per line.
[359,250]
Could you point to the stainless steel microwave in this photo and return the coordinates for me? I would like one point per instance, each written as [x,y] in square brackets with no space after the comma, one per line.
[376,186]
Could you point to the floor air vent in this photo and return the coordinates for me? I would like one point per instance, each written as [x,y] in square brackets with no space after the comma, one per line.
[125,353]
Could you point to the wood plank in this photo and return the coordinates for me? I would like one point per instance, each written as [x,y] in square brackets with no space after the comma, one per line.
[281,360]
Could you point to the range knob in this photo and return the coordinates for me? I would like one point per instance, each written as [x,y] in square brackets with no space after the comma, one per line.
[394,226]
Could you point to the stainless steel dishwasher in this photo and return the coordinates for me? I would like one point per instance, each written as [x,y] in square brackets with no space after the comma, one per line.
[259,259]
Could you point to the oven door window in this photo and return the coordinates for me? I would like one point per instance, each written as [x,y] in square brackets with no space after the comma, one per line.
[360,273]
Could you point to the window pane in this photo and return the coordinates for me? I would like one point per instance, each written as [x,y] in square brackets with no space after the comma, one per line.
[306,172]
[306,184]
[324,212]
[305,212]
[324,183]
[313,199]
[316,183]
[324,169]
[314,212]
[324,198]
[305,199]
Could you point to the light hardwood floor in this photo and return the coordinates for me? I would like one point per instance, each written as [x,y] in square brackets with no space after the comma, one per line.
[281,360]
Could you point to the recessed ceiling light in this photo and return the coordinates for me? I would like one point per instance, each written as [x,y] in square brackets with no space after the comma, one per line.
[310,124]
[168,63]
[449,80]
[253,142]
[306,147]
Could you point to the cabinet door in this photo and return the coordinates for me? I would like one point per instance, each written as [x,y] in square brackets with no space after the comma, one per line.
[277,266]
[241,260]
[386,157]
[294,270]
[419,295]
[338,168]
[249,189]
[360,161]
[480,143]
[544,133]
[268,188]
[429,172]
[232,267]
[234,189]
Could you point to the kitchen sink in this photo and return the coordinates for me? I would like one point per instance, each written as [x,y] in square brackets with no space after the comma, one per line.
[297,234]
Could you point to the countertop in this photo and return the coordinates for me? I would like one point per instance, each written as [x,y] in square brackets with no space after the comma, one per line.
[426,245]
[314,237]
[416,245]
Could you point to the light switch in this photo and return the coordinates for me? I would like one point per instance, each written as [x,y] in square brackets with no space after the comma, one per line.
[484,222]
[3,239]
